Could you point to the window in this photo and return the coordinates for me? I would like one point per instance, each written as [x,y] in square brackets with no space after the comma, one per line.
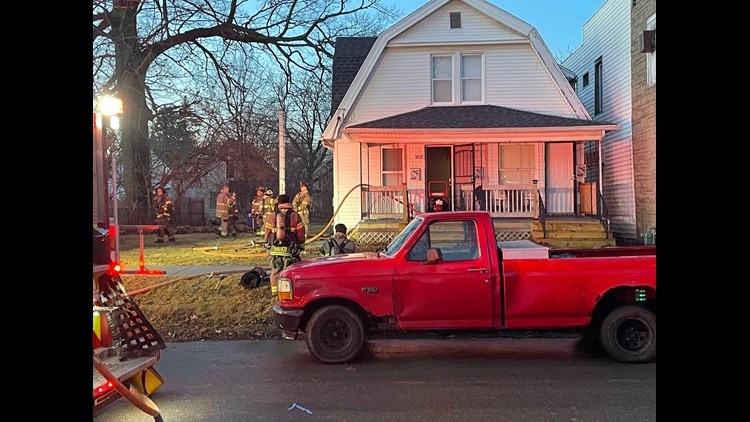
[574,84]
[598,86]
[442,79]
[393,166]
[516,164]
[471,77]
[457,241]
[586,79]
[457,81]
[651,57]
[455,18]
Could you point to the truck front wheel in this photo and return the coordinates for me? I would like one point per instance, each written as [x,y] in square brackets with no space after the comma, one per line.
[335,334]
[628,334]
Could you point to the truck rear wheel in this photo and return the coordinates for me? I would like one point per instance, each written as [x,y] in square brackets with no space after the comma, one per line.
[335,334]
[628,334]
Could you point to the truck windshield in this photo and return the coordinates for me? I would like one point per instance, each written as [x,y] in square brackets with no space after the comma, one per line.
[402,237]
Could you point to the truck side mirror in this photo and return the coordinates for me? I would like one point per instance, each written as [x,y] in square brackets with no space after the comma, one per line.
[433,256]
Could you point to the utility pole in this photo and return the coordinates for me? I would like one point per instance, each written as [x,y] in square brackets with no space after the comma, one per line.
[282,152]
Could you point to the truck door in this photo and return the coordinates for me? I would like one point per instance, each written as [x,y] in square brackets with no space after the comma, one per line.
[453,293]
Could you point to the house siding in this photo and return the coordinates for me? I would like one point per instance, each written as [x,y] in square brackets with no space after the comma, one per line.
[401,82]
[607,35]
[644,123]
[475,26]
[347,172]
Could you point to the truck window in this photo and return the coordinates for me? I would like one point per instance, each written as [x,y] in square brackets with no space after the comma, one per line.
[455,239]
[405,234]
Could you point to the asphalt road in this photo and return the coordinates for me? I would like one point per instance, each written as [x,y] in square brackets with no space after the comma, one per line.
[484,379]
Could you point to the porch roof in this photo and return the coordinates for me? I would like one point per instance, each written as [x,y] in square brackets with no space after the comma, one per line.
[479,121]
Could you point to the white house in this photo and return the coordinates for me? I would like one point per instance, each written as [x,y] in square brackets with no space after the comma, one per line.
[458,101]
[603,80]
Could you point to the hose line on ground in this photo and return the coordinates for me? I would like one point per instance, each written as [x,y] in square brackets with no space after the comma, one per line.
[211,250]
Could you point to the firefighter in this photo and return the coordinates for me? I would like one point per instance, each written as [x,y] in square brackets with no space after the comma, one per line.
[163,209]
[338,244]
[285,239]
[233,212]
[257,212]
[222,210]
[302,204]
[269,205]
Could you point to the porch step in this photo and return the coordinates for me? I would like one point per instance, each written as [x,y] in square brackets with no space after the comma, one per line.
[571,234]
[564,233]
[574,243]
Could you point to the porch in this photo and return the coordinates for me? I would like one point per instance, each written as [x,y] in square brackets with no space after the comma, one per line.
[518,214]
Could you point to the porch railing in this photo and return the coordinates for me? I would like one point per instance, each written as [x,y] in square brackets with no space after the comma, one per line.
[385,202]
[500,201]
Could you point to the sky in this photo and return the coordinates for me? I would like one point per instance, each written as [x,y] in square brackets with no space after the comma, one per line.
[559,22]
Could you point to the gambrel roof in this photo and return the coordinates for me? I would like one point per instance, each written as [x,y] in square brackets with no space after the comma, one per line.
[348,56]
[343,103]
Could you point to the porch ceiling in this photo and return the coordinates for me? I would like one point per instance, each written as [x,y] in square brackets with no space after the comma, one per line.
[479,123]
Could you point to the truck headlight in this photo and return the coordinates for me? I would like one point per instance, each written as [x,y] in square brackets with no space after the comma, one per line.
[286,290]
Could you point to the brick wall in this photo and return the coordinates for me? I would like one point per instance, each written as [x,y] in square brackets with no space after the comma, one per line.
[644,123]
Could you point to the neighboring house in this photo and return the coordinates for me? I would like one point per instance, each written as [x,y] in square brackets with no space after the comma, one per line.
[617,83]
[461,101]
[643,70]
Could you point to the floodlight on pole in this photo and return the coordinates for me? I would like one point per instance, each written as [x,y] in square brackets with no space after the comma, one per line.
[112,108]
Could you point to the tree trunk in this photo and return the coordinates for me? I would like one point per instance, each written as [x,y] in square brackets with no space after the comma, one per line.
[131,88]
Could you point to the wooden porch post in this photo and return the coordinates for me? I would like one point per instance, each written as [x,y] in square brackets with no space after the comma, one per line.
[535,192]
[405,217]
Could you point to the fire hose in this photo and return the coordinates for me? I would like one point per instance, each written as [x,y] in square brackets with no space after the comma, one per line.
[255,276]
[210,250]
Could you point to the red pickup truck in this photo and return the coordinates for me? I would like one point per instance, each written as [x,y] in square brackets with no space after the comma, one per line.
[446,271]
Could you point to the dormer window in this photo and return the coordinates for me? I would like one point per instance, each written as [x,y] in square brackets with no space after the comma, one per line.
[455,19]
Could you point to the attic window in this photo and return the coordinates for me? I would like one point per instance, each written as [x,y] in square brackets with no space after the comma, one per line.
[455,19]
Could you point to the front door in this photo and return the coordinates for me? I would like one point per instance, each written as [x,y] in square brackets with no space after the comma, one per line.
[463,172]
[560,178]
[437,174]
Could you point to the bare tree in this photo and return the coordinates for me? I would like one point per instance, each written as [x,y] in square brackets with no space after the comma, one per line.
[184,37]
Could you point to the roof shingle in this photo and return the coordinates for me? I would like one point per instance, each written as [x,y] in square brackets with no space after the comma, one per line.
[472,117]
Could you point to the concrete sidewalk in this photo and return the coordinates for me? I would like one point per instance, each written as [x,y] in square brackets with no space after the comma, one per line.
[191,270]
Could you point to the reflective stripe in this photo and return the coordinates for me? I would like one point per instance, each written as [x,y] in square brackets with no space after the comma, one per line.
[281,251]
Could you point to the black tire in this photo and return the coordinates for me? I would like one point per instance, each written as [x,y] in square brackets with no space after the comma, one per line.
[628,334]
[335,334]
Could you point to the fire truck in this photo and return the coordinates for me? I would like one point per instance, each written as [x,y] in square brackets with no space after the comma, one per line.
[126,347]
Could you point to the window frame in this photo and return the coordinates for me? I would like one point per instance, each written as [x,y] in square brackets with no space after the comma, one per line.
[384,172]
[598,86]
[433,79]
[651,57]
[461,78]
[457,78]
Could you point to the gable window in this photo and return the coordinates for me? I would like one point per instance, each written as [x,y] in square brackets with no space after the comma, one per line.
[457,78]
[586,79]
[442,79]
[471,77]
[455,18]
[393,166]
[598,86]
[651,57]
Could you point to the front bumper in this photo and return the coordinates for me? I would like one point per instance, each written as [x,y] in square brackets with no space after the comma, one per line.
[288,321]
